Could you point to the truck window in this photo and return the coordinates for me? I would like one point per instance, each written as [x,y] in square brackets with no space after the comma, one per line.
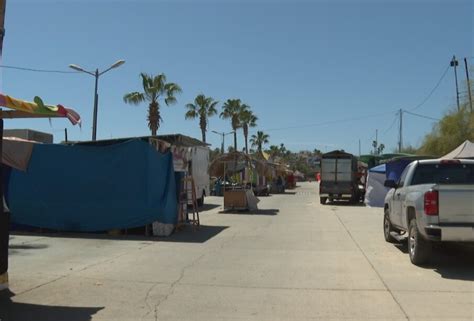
[443,174]
[403,177]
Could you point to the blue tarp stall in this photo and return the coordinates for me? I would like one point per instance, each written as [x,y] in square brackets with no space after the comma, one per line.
[395,168]
[94,188]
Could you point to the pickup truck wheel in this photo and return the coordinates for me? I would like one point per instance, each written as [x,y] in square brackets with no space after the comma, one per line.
[419,249]
[387,228]
[323,200]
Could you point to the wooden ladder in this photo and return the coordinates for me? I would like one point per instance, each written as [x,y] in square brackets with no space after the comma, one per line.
[183,213]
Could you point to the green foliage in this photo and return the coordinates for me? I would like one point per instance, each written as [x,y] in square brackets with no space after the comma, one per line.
[233,110]
[213,154]
[408,150]
[247,120]
[452,130]
[259,140]
[154,88]
[202,108]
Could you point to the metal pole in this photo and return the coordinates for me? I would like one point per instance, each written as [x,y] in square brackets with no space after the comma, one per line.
[468,83]
[65,134]
[454,63]
[4,219]
[376,142]
[400,141]
[222,147]
[3,4]
[359,147]
[96,98]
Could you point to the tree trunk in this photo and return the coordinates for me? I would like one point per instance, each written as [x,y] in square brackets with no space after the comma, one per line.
[203,125]
[246,135]
[235,140]
[153,117]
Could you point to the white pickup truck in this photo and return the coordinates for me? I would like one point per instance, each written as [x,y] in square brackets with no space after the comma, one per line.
[432,202]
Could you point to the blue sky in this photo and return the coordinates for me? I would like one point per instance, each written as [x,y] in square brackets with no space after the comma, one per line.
[296,63]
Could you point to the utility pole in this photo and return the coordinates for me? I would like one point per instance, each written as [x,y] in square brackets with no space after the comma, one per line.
[454,63]
[468,83]
[3,4]
[65,134]
[4,217]
[400,135]
[376,141]
[359,147]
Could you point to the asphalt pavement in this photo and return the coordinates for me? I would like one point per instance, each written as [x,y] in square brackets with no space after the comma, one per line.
[294,259]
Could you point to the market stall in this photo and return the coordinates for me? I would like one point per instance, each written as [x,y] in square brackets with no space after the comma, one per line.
[238,171]
[20,109]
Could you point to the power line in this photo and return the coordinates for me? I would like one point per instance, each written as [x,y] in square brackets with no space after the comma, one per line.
[432,90]
[391,126]
[422,116]
[330,122]
[39,70]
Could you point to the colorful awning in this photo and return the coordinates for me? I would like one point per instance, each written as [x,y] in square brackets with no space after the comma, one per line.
[25,109]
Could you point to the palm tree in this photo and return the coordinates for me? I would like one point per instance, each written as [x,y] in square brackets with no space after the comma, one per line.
[274,151]
[203,107]
[154,88]
[259,140]
[247,119]
[233,110]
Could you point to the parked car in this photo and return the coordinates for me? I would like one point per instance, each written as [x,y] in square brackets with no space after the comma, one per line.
[432,202]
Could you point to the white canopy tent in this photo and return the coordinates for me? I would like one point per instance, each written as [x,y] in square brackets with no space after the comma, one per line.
[465,150]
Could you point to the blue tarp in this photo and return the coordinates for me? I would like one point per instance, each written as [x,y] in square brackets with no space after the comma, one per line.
[395,168]
[378,169]
[94,188]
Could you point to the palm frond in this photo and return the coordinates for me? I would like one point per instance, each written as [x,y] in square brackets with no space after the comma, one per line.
[134,98]
[170,100]
[191,114]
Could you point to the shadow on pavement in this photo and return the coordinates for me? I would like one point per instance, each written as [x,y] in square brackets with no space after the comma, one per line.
[257,212]
[345,204]
[202,234]
[13,311]
[208,207]
[403,247]
[450,260]
[16,248]
[453,261]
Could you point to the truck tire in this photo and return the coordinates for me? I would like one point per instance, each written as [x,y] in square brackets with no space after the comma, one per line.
[419,248]
[387,228]
[323,200]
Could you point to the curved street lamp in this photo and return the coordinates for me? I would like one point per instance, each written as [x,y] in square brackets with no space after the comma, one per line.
[96,74]
[223,137]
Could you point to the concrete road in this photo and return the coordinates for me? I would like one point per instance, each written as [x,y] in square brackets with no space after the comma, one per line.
[293,260]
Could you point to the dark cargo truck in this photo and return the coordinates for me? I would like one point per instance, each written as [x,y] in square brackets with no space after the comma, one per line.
[340,177]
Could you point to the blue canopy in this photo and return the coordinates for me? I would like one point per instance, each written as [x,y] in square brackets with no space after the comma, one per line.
[94,188]
[378,169]
[395,168]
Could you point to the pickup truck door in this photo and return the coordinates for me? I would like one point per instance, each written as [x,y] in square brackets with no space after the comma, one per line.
[398,200]
[396,210]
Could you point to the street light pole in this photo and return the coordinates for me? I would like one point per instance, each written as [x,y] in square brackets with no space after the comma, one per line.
[96,75]
[96,102]
[223,138]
